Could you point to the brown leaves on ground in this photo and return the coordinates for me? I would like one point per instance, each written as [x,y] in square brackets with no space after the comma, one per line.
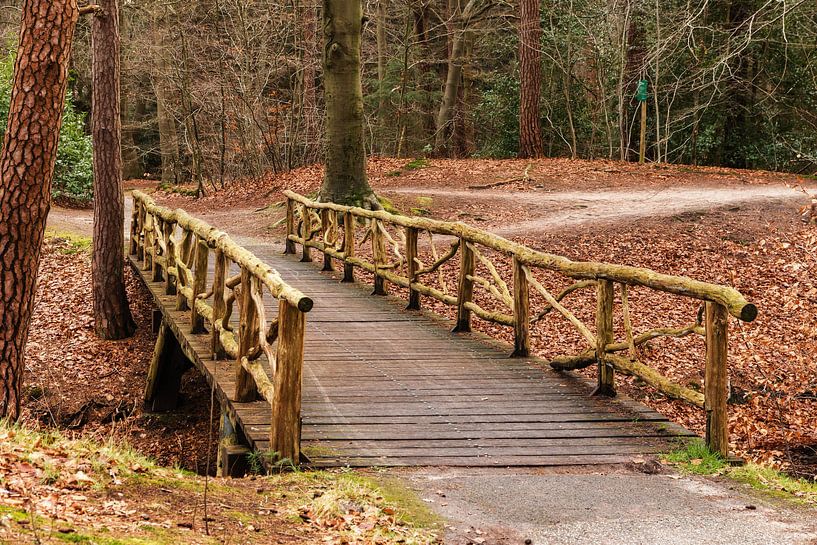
[77,382]
[53,490]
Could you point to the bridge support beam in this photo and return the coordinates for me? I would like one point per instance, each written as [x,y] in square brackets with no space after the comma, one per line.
[165,373]
[233,455]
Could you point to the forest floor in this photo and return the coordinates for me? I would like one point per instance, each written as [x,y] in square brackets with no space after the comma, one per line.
[735,227]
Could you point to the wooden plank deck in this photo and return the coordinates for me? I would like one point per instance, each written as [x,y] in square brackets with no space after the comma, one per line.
[388,387]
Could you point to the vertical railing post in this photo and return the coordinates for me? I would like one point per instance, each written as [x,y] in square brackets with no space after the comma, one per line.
[379,258]
[134,228]
[170,258]
[348,246]
[245,389]
[411,260]
[158,232]
[326,226]
[140,234]
[306,230]
[199,284]
[147,251]
[285,431]
[289,247]
[465,288]
[219,304]
[521,311]
[186,251]
[604,336]
[716,381]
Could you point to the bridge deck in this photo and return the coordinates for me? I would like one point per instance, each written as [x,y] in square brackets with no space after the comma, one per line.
[388,387]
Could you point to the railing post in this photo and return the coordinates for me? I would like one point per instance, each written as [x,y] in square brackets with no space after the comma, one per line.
[285,431]
[245,389]
[219,304]
[378,256]
[306,230]
[604,336]
[716,385]
[411,259]
[134,229]
[348,246]
[199,284]
[521,311]
[327,226]
[465,289]
[289,247]
[158,231]
[140,234]
[185,253]
[147,251]
[170,258]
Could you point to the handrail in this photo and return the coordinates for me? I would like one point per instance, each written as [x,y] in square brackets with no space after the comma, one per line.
[732,299]
[330,228]
[182,263]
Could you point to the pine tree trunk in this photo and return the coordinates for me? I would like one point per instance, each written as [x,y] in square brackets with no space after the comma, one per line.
[345,180]
[27,168]
[530,76]
[112,315]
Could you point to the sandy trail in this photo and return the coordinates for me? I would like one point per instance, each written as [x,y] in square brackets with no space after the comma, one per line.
[551,210]
[566,209]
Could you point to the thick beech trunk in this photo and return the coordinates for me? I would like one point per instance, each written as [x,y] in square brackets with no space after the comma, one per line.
[530,76]
[345,180]
[112,316]
[27,169]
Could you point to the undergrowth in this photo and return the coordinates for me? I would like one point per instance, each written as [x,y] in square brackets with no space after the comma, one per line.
[695,458]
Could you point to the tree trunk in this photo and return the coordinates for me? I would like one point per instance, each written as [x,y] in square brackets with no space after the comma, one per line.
[345,180]
[530,76]
[168,135]
[380,24]
[309,25]
[445,114]
[27,168]
[112,315]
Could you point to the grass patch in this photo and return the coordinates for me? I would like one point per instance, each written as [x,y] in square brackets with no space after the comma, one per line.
[414,164]
[73,244]
[388,206]
[695,458]
[417,164]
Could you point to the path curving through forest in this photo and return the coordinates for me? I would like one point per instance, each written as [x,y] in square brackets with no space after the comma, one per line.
[570,209]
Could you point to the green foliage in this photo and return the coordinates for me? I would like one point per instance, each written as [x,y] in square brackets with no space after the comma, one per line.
[74,172]
[695,457]
[496,118]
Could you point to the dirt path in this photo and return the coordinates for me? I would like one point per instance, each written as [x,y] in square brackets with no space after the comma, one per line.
[570,209]
[507,213]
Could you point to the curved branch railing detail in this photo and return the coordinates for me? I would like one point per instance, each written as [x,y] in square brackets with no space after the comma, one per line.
[470,243]
[176,248]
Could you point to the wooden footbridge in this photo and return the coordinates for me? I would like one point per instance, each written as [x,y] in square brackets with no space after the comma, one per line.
[310,367]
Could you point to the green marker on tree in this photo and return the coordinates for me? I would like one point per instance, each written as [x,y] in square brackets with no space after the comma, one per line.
[641,93]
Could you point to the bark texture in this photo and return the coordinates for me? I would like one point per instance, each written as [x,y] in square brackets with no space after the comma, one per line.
[345,180]
[27,169]
[112,316]
[530,79]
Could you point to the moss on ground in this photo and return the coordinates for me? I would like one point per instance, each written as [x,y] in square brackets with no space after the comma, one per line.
[695,458]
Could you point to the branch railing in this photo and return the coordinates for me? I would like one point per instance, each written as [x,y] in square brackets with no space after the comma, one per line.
[176,248]
[391,242]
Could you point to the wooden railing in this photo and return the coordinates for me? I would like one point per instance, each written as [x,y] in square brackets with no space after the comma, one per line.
[176,248]
[389,246]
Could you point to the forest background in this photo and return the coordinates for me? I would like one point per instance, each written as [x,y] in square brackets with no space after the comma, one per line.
[216,90]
